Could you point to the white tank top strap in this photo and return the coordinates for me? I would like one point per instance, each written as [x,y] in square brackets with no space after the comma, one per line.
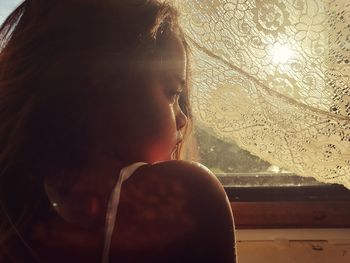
[112,208]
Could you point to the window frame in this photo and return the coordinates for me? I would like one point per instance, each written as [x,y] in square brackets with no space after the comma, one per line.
[319,206]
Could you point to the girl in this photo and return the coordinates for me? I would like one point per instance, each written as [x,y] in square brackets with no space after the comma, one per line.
[88,88]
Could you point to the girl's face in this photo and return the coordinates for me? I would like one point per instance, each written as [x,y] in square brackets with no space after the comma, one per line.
[147,123]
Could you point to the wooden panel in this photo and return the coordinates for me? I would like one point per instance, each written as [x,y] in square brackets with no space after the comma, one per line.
[292,252]
[299,214]
[328,193]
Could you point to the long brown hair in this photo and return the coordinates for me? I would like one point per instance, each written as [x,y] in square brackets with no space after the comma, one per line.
[48,82]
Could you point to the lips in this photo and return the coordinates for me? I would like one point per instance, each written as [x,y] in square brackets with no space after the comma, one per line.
[179,139]
[176,146]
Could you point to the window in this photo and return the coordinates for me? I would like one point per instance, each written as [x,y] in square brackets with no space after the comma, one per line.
[267,75]
[238,168]
[266,196]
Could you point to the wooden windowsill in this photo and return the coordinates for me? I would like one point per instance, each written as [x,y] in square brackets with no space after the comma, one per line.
[325,206]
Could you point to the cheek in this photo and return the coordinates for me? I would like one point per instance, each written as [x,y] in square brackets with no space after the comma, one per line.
[155,114]
[159,124]
[148,131]
[160,129]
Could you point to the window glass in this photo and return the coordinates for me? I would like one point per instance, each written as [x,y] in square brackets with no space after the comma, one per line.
[236,167]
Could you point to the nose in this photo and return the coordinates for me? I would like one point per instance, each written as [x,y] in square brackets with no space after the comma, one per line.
[181,119]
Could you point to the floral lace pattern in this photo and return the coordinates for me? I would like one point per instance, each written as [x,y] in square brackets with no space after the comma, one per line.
[273,76]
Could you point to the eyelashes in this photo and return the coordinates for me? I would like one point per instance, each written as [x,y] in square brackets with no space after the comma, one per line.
[173,87]
[174,94]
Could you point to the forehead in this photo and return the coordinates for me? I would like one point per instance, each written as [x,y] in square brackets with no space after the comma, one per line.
[172,57]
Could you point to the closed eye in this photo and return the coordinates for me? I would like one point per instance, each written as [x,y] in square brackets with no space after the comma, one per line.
[174,95]
[174,87]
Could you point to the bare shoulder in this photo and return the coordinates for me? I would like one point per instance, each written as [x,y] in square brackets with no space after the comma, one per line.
[178,205]
[191,175]
[193,181]
[178,167]
[204,194]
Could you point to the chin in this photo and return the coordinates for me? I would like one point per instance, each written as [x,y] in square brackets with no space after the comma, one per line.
[157,154]
[161,157]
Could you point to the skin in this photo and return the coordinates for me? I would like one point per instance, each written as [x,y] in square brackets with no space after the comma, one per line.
[148,121]
[145,125]
[170,211]
[179,212]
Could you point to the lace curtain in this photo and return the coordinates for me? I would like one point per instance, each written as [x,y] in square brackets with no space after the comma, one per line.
[273,76]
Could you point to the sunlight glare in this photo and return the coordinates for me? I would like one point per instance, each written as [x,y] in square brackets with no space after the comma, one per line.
[281,53]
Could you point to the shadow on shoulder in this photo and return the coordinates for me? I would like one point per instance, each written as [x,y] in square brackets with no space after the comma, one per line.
[174,210]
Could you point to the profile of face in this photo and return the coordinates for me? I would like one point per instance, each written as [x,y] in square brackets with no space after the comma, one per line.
[148,123]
